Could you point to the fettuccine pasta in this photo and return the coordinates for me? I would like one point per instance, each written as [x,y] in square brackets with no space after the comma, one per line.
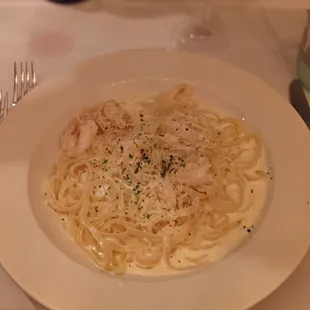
[138,187]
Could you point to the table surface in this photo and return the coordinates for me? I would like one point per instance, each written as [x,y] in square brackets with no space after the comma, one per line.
[262,41]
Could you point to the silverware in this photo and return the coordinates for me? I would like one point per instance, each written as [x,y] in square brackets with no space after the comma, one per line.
[4,105]
[25,79]
[299,101]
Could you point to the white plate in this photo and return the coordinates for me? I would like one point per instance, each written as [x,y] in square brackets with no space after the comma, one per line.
[34,249]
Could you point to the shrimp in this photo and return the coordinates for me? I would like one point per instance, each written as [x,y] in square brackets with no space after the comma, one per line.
[195,173]
[113,116]
[78,137]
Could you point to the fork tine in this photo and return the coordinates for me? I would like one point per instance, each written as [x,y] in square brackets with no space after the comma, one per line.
[1,117]
[6,104]
[22,79]
[15,90]
[33,75]
[27,79]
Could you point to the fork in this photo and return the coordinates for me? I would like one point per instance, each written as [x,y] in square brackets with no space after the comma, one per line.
[25,79]
[4,105]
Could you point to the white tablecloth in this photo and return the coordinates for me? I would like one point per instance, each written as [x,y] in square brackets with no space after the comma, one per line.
[263,42]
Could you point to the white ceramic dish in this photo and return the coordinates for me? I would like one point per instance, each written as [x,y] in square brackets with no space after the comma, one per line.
[34,248]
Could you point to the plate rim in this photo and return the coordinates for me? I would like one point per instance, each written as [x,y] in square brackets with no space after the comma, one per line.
[146,53]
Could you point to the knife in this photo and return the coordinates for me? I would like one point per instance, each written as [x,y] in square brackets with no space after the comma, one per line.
[299,101]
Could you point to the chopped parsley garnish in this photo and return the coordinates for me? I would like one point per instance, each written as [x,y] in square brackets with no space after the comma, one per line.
[130,156]
[136,187]
[126,177]
[105,161]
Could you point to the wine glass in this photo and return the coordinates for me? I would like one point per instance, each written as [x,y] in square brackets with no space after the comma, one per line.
[206,34]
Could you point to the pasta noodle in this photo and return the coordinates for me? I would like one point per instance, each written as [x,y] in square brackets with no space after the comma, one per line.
[138,186]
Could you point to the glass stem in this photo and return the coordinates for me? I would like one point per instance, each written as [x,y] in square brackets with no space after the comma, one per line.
[208,16]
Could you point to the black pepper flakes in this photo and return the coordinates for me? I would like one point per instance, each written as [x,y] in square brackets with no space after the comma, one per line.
[164,168]
[137,168]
